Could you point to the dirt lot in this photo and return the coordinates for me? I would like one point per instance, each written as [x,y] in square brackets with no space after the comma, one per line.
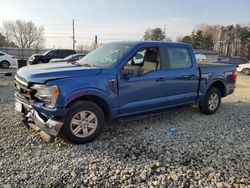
[243,86]
[206,151]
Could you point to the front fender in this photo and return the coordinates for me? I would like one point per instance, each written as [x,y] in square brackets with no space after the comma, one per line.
[84,92]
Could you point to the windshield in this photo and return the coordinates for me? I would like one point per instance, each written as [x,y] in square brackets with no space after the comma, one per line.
[69,57]
[45,53]
[105,56]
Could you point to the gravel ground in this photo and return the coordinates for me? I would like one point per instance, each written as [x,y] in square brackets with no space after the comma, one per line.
[206,151]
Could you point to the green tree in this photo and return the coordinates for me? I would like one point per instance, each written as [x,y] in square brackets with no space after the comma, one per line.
[198,40]
[186,39]
[156,34]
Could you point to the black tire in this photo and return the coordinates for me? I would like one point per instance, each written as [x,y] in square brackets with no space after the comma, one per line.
[39,61]
[74,110]
[206,106]
[246,71]
[5,64]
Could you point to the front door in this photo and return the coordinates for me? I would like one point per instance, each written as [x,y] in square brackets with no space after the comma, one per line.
[146,92]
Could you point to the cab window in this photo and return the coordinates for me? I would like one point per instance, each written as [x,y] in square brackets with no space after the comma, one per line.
[179,58]
[147,58]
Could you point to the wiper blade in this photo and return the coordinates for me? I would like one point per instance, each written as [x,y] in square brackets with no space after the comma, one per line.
[87,65]
[80,64]
[73,62]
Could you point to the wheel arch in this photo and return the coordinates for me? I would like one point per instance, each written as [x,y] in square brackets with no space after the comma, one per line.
[99,100]
[220,85]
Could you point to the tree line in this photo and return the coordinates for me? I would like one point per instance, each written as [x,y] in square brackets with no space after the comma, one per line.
[230,40]
[22,34]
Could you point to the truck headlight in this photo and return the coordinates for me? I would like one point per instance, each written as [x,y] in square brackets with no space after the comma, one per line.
[47,94]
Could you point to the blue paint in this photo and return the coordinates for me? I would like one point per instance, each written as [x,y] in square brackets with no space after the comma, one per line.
[172,129]
[134,95]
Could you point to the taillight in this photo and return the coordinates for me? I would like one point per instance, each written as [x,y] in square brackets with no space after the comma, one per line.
[234,75]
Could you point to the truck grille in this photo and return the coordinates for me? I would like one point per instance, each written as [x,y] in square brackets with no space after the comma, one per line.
[23,90]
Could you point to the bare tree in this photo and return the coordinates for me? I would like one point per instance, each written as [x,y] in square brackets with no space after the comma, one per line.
[212,31]
[24,33]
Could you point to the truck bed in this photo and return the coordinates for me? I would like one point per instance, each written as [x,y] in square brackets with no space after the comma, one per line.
[213,64]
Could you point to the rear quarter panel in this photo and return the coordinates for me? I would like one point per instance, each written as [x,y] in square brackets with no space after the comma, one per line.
[211,74]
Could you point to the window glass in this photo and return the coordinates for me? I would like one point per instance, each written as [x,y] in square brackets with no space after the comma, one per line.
[147,58]
[1,54]
[52,53]
[179,58]
[105,56]
[69,57]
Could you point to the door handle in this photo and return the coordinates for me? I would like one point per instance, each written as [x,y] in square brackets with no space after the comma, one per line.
[160,79]
[192,76]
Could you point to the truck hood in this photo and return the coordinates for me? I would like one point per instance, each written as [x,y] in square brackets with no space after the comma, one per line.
[44,72]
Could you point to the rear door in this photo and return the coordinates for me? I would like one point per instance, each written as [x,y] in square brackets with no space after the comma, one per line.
[1,56]
[183,75]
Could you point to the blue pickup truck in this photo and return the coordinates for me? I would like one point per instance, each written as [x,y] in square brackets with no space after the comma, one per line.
[117,81]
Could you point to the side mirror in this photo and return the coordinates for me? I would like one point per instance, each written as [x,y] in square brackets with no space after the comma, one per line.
[131,70]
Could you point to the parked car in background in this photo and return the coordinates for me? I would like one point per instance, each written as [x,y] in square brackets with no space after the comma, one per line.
[244,68]
[70,58]
[77,99]
[48,55]
[200,57]
[6,60]
[234,60]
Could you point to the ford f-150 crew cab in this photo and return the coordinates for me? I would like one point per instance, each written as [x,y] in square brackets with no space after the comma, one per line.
[116,81]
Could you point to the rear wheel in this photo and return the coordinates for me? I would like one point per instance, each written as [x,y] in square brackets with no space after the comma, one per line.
[246,71]
[5,64]
[211,101]
[84,122]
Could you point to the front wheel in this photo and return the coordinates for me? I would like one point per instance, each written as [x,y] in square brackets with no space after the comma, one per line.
[211,101]
[84,122]
[246,71]
[5,64]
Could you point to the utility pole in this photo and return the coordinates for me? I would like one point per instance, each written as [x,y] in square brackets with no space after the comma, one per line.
[96,40]
[74,41]
[165,28]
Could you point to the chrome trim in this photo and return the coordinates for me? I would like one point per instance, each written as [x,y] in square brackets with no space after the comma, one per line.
[26,105]
[20,81]
[51,127]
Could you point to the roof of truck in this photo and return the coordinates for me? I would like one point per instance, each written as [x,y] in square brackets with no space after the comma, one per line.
[158,43]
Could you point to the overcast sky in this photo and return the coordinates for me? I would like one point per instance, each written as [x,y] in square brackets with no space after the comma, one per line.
[116,20]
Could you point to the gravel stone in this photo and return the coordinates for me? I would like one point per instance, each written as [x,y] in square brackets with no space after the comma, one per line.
[143,175]
[206,151]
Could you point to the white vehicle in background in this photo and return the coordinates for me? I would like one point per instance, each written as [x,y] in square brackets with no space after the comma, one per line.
[6,60]
[200,57]
[244,68]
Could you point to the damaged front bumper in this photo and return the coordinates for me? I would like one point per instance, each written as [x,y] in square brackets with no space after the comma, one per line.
[47,124]
[50,126]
